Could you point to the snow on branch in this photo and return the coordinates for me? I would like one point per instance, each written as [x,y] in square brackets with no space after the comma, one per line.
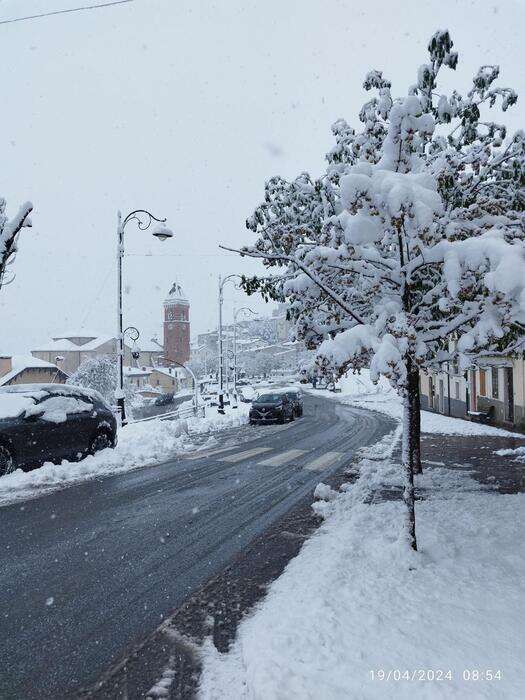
[9,230]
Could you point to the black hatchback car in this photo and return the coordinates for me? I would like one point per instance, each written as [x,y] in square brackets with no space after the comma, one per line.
[52,422]
[271,408]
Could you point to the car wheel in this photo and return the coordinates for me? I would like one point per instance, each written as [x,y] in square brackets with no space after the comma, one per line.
[7,461]
[101,441]
[292,416]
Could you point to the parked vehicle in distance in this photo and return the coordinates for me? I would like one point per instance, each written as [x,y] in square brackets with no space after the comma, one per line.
[271,408]
[51,422]
[164,399]
[296,398]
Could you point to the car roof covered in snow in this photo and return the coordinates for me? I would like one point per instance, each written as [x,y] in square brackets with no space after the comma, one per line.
[19,399]
[40,391]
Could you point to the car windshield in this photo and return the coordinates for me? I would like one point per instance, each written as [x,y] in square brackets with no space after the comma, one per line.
[269,398]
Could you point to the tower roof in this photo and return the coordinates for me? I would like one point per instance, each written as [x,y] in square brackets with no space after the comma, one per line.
[176,295]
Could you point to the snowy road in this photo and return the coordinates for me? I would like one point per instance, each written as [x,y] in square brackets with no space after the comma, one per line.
[89,571]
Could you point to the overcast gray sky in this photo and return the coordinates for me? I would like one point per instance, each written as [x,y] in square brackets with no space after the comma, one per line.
[186,108]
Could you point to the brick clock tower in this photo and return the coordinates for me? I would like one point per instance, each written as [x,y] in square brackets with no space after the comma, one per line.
[177,326]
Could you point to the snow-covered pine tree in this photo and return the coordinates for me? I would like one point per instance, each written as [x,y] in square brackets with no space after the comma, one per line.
[9,230]
[412,237]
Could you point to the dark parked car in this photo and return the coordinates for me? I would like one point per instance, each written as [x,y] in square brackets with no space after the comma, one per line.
[296,398]
[164,399]
[271,408]
[52,422]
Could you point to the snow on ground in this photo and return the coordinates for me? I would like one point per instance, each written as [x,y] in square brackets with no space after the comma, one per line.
[359,390]
[355,608]
[139,444]
[518,453]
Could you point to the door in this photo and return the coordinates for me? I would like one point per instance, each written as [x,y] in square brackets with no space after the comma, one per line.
[473,390]
[57,429]
[509,395]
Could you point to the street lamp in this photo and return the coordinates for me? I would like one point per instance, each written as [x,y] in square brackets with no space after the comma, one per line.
[235,314]
[194,378]
[144,220]
[221,352]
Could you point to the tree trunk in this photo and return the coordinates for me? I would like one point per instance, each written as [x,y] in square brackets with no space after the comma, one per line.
[407,457]
[415,417]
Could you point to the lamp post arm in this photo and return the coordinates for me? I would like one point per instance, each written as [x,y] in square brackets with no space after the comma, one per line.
[142,225]
[194,377]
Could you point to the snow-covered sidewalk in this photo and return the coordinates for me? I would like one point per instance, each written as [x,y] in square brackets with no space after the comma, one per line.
[139,444]
[358,390]
[355,615]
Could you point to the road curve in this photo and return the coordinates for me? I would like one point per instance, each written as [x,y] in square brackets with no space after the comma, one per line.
[89,571]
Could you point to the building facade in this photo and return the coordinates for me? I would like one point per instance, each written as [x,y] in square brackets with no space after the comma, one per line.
[176,326]
[70,351]
[496,386]
[26,369]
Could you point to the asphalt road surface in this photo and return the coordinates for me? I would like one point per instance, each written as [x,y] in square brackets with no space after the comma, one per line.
[89,571]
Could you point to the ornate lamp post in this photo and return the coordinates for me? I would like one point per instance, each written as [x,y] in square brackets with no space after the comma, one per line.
[235,314]
[144,220]
[220,342]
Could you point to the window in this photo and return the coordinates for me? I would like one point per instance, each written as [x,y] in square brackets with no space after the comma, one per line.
[482,382]
[457,389]
[495,383]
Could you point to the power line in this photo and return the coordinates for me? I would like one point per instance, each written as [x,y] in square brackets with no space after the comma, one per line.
[62,12]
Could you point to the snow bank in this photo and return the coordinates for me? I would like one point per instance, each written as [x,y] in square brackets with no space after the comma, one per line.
[139,444]
[359,390]
[518,453]
[354,604]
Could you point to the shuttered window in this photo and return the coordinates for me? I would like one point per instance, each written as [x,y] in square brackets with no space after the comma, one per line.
[495,383]
[482,382]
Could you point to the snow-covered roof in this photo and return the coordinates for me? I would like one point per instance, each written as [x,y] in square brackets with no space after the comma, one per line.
[137,371]
[20,363]
[66,345]
[176,295]
[152,345]
[176,372]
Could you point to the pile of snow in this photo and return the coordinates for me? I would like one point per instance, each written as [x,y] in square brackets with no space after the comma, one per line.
[355,607]
[518,453]
[359,390]
[139,444]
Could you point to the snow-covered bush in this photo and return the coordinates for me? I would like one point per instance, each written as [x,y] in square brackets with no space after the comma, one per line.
[411,239]
[100,373]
